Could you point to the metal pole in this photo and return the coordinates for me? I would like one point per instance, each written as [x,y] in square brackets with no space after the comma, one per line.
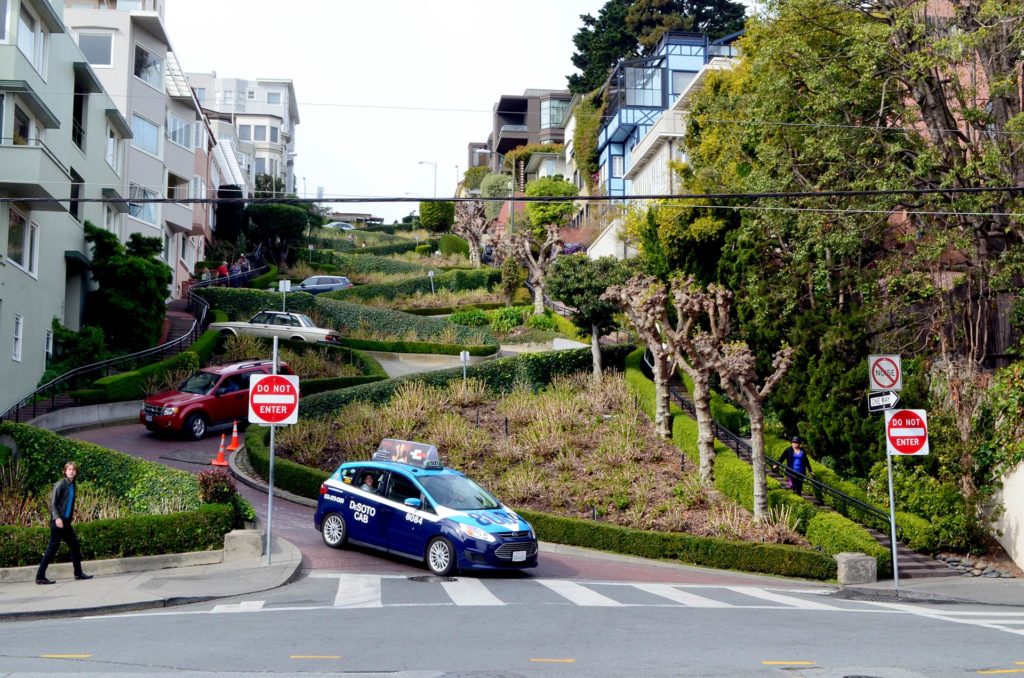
[892,525]
[270,474]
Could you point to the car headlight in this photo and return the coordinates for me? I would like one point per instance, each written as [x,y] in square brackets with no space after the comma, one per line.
[168,411]
[471,532]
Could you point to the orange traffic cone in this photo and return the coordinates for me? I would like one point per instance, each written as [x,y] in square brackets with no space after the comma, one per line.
[233,445]
[220,460]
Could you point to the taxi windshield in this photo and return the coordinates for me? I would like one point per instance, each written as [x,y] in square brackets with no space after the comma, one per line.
[199,383]
[458,492]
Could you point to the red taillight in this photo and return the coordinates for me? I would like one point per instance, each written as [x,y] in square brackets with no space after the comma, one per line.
[323,489]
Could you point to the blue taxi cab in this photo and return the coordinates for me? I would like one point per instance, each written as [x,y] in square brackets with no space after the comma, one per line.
[403,501]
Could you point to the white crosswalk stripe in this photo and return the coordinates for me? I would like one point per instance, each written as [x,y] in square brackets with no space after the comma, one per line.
[682,597]
[465,591]
[577,593]
[358,590]
[244,606]
[790,601]
[1010,622]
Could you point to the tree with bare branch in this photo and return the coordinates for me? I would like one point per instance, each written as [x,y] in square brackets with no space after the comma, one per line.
[737,371]
[471,223]
[534,254]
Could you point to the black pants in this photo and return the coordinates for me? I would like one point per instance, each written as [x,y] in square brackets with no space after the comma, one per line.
[67,534]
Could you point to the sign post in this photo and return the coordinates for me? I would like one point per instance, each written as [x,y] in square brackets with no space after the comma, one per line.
[273,401]
[906,434]
[284,287]
[464,359]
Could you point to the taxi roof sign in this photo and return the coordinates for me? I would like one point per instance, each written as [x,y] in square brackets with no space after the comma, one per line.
[422,455]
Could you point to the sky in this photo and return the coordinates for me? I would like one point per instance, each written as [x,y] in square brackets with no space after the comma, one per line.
[387,89]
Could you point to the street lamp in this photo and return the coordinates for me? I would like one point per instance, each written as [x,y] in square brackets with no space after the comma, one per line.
[434,164]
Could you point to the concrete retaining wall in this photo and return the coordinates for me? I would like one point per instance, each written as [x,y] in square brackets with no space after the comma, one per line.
[1011,522]
[88,416]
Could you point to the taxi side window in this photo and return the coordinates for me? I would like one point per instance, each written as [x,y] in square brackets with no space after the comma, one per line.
[402,488]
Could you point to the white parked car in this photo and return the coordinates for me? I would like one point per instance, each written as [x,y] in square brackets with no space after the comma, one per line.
[280,324]
[343,225]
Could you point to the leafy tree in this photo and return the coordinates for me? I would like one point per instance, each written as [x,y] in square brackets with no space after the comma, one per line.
[648,20]
[437,217]
[277,226]
[511,279]
[600,43]
[472,177]
[268,186]
[130,302]
[585,136]
[579,282]
[499,188]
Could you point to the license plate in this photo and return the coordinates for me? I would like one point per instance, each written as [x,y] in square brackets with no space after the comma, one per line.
[149,417]
[518,556]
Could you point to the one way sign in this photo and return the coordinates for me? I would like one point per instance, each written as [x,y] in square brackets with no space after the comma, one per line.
[882,400]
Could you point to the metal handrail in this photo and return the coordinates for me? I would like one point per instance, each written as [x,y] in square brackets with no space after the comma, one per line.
[741,446]
[556,306]
[51,389]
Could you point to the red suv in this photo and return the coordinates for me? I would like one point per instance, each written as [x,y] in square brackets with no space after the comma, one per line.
[211,397]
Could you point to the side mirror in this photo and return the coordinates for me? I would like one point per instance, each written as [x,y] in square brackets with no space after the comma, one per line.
[414,502]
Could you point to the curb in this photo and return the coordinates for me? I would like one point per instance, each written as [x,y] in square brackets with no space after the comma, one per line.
[259,484]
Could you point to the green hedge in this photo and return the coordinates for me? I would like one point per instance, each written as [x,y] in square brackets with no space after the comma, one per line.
[777,559]
[533,369]
[263,280]
[240,303]
[425,347]
[356,264]
[453,244]
[289,476]
[132,385]
[200,530]
[454,281]
[396,247]
[342,315]
[734,479]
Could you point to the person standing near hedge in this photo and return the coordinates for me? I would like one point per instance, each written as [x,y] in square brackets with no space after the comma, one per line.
[795,459]
[62,513]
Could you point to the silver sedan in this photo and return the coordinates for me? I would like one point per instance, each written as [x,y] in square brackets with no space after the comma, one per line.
[278,324]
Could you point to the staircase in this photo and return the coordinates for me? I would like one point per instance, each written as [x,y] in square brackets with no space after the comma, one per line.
[912,565]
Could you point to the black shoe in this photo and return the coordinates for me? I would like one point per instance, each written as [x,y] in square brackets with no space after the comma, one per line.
[83,575]
[44,580]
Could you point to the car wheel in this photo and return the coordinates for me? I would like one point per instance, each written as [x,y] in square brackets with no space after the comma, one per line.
[296,338]
[441,556]
[334,530]
[227,333]
[195,426]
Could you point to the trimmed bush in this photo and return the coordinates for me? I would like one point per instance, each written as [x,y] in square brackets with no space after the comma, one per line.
[455,280]
[240,303]
[200,530]
[778,559]
[289,476]
[132,385]
[452,244]
[423,250]
[343,315]
[471,317]
[261,281]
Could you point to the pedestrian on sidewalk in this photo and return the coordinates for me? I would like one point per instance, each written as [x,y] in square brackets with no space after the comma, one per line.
[62,514]
[795,459]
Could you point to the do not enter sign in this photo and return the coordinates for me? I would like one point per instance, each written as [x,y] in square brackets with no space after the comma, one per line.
[906,432]
[273,399]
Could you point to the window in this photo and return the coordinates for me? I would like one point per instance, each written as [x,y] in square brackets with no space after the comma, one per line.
[143,211]
[145,135]
[177,187]
[112,221]
[251,95]
[22,241]
[259,133]
[75,203]
[129,5]
[200,94]
[149,67]
[24,127]
[168,242]
[199,140]
[179,130]
[4,5]
[680,79]
[98,48]
[198,188]
[113,150]
[274,134]
[551,112]
[643,86]
[245,133]
[48,343]
[261,165]
[19,323]
[273,97]
[32,38]
[617,166]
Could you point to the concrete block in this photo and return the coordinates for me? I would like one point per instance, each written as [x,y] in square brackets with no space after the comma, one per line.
[856,568]
[242,544]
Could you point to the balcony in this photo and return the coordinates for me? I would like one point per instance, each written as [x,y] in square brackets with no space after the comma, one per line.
[28,169]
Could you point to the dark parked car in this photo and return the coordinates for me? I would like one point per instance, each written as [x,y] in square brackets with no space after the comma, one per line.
[323,283]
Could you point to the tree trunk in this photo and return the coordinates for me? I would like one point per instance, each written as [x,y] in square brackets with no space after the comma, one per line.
[474,252]
[595,351]
[661,398]
[705,429]
[538,298]
[757,459]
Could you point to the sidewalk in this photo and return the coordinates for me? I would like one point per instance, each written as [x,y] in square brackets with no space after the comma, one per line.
[127,584]
[952,589]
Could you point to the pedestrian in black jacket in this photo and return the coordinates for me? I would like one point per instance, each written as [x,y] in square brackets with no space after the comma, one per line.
[62,513]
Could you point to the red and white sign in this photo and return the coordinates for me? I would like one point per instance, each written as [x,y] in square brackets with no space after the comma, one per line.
[273,399]
[884,373]
[906,432]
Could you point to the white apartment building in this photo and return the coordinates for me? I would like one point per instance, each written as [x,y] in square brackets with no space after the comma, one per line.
[263,113]
[62,138]
[127,46]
